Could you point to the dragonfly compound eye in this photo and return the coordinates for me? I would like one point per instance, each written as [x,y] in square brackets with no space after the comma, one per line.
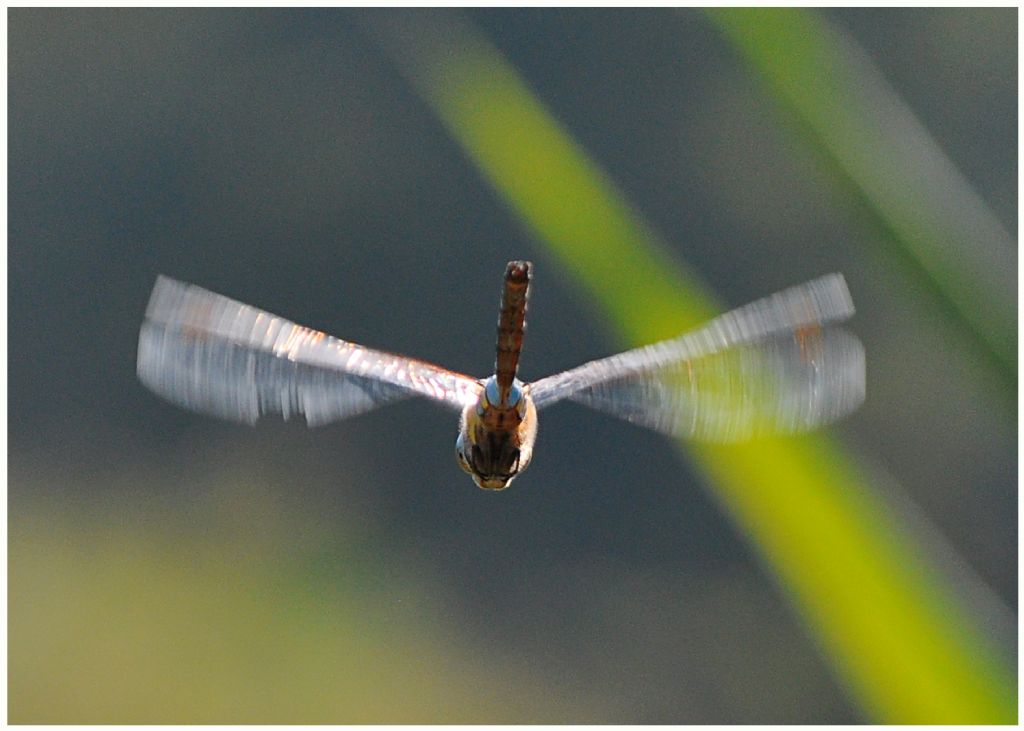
[493,397]
[491,391]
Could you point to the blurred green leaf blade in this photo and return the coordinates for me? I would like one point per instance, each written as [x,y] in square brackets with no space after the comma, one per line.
[936,226]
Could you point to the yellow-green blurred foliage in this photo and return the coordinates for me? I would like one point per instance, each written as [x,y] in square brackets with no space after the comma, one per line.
[239,607]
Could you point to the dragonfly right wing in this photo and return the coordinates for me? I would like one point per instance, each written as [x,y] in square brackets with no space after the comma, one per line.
[211,354]
[774,366]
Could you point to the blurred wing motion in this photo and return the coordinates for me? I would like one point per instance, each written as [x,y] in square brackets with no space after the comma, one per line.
[217,356]
[771,367]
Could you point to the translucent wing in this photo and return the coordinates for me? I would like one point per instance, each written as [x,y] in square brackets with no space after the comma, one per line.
[773,366]
[217,356]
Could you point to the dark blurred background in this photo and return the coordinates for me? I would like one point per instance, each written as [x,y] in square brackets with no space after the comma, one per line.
[167,567]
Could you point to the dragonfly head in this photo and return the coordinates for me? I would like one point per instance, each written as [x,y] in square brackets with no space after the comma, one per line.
[495,443]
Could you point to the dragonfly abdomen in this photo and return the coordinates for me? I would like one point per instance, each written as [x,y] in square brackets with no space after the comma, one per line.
[511,324]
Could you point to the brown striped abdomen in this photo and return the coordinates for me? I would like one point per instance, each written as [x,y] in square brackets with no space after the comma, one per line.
[511,323]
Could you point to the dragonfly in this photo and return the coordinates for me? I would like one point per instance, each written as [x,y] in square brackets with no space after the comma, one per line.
[778,366]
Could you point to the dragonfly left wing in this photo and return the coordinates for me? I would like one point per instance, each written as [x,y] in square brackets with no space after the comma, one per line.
[773,366]
[217,356]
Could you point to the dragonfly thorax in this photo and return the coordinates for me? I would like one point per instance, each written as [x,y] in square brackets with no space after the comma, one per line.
[495,441]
